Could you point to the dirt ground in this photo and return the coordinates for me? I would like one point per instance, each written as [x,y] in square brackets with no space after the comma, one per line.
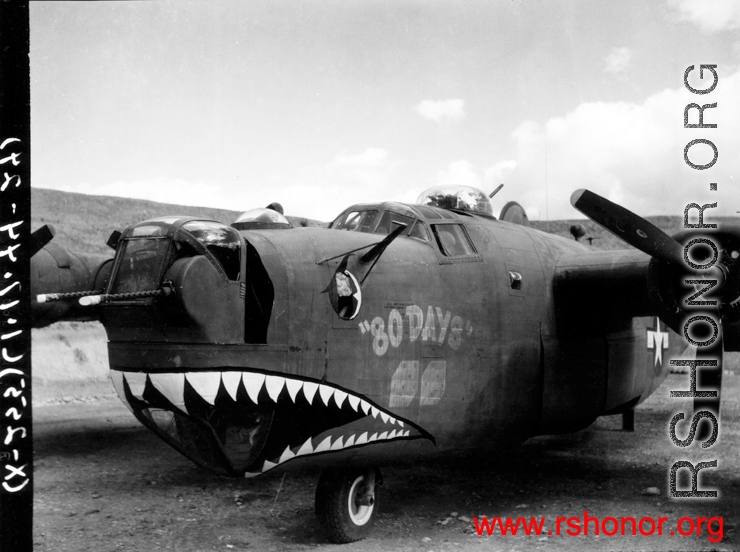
[104,483]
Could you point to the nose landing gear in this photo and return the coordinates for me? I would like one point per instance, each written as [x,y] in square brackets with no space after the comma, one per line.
[347,502]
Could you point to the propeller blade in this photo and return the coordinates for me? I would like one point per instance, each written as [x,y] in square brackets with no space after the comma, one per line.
[650,239]
[628,226]
[41,237]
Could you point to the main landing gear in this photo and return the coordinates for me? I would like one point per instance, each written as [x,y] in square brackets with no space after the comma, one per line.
[347,502]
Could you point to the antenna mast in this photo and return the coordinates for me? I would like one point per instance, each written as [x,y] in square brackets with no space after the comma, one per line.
[547,215]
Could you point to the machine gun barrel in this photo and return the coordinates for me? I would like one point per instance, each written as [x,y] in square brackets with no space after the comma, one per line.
[52,297]
[91,300]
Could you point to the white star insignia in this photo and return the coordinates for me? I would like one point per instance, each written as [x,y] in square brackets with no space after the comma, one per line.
[658,341]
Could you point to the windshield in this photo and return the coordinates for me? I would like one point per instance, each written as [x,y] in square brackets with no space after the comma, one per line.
[391,221]
[141,265]
[223,242]
[358,221]
[370,221]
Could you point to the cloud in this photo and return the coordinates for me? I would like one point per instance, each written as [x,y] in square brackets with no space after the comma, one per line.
[500,171]
[631,153]
[711,16]
[618,60]
[460,173]
[371,157]
[318,191]
[450,110]
[323,191]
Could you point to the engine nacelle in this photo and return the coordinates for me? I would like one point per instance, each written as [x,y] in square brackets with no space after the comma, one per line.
[715,255]
[54,269]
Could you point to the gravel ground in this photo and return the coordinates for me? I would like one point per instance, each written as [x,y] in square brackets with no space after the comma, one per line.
[103,483]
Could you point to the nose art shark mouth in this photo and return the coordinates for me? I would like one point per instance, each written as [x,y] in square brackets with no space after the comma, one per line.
[244,423]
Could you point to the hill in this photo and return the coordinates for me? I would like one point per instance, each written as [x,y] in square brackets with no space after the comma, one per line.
[608,241]
[84,222]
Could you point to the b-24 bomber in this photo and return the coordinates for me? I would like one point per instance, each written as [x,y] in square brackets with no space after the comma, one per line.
[400,332]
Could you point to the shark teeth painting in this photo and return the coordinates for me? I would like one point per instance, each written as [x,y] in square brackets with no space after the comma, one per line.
[248,422]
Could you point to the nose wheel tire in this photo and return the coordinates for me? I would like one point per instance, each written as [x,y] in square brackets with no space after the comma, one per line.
[347,503]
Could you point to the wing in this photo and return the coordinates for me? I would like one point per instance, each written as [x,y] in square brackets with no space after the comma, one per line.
[602,285]
[677,287]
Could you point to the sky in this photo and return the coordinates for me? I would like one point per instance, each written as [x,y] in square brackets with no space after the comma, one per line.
[322,104]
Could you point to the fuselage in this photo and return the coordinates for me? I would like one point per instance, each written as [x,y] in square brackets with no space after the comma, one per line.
[283,343]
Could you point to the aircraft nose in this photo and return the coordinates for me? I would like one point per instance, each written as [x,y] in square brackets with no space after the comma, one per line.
[246,422]
[209,302]
[177,280]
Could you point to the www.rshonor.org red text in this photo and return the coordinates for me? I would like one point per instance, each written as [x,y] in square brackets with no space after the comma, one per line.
[573,526]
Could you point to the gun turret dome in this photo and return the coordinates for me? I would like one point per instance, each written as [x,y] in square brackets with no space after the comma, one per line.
[456,197]
[261,219]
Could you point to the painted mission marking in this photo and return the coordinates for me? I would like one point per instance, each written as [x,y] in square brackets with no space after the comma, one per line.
[405,383]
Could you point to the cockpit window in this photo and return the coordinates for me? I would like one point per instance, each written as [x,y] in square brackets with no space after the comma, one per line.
[358,221]
[391,221]
[149,230]
[141,265]
[222,242]
[452,240]
[420,231]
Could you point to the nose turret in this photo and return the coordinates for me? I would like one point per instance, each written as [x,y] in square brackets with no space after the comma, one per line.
[177,280]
